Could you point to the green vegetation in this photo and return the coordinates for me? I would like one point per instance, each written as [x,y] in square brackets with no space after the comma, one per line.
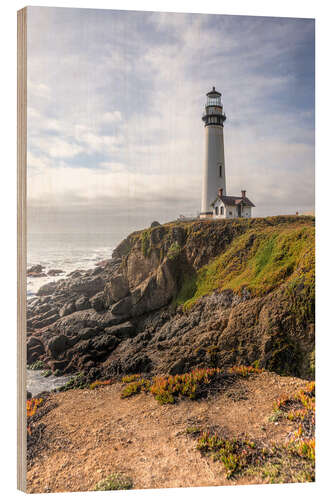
[236,455]
[115,481]
[79,381]
[130,378]
[174,250]
[145,242]
[135,387]
[193,431]
[166,389]
[37,365]
[260,260]
[293,461]
[187,289]
[100,383]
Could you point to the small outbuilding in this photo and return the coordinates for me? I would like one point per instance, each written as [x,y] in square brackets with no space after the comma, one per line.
[231,207]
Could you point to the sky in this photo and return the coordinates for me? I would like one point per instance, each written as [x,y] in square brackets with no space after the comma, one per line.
[115,99]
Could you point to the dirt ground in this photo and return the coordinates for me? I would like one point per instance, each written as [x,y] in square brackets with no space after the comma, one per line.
[92,433]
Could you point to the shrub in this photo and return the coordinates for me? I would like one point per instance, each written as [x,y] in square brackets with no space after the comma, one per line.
[130,378]
[32,405]
[37,365]
[115,481]
[235,455]
[99,383]
[174,250]
[166,388]
[135,387]
[245,371]
[79,381]
[301,408]
[145,242]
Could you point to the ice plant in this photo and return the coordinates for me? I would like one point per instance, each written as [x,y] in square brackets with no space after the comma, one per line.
[32,405]
[245,371]
[99,383]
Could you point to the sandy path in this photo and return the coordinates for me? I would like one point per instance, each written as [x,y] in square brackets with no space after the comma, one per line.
[93,433]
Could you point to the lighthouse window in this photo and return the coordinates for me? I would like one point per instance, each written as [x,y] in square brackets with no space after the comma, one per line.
[220,170]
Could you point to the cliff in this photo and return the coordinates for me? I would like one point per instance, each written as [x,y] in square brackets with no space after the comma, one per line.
[185,294]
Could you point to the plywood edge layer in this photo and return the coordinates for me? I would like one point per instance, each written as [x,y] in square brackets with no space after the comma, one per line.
[21,244]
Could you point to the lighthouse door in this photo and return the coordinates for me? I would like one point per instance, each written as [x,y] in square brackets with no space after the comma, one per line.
[239,210]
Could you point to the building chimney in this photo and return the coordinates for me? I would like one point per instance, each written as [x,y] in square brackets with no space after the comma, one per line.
[220,192]
[243,193]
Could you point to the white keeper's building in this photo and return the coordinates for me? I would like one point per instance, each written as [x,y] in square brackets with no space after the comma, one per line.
[215,202]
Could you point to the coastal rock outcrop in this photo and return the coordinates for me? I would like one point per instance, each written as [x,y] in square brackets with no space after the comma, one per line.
[185,294]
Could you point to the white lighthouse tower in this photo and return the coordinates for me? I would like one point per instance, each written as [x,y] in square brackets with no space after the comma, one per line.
[214,166]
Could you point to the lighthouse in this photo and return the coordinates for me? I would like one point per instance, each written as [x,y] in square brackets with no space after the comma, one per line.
[214,165]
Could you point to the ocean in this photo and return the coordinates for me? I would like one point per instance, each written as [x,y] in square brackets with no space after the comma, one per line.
[68,251]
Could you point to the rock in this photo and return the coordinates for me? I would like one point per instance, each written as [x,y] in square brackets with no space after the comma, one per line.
[58,345]
[35,349]
[178,367]
[58,366]
[103,263]
[35,269]
[47,289]
[97,302]
[85,285]
[117,288]
[123,307]
[67,309]
[75,274]
[34,274]
[139,363]
[54,272]
[105,342]
[88,333]
[41,323]
[123,331]
[155,224]
[82,303]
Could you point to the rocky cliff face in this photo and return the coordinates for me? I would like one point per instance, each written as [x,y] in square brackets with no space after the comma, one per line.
[182,295]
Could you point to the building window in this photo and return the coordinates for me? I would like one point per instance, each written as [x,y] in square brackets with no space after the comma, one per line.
[220,170]
[216,210]
[222,210]
[230,213]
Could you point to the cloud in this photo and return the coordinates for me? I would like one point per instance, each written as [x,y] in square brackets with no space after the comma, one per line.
[115,100]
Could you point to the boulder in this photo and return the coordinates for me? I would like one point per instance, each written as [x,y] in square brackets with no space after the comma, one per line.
[47,289]
[34,274]
[35,269]
[123,307]
[58,345]
[103,263]
[123,331]
[35,349]
[97,302]
[58,365]
[178,367]
[85,285]
[82,303]
[67,309]
[54,272]
[88,333]
[117,288]
[105,342]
